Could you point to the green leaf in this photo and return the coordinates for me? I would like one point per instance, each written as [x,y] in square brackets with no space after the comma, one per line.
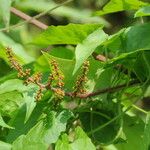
[120,5]
[81,141]
[5,11]
[13,94]
[93,121]
[85,49]
[18,121]
[134,38]
[133,129]
[63,143]
[5,146]
[44,132]
[144,11]
[10,102]
[62,52]
[3,124]
[68,34]
[146,137]
[30,105]
[19,144]
[143,62]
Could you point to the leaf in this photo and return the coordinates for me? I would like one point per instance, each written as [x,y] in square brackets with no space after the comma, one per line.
[30,105]
[133,129]
[3,124]
[134,40]
[5,11]
[13,85]
[120,5]
[5,146]
[146,136]
[85,49]
[93,121]
[143,62]
[10,102]
[63,143]
[62,52]
[18,121]
[68,34]
[44,132]
[81,141]
[13,94]
[19,144]
[144,11]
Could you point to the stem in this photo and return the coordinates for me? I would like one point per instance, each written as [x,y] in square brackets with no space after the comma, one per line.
[95,112]
[27,17]
[106,90]
[139,109]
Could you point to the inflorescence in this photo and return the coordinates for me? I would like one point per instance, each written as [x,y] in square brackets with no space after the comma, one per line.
[79,87]
[55,81]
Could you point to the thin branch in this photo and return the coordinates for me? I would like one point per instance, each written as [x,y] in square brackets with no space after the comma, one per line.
[35,17]
[27,17]
[106,90]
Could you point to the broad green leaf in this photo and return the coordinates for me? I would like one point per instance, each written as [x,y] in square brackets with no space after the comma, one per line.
[13,85]
[143,62]
[13,94]
[93,121]
[10,102]
[120,5]
[85,49]
[30,105]
[144,11]
[5,146]
[81,141]
[5,11]
[18,144]
[133,38]
[146,136]
[129,39]
[134,131]
[62,52]
[44,132]
[63,143]
[68,34]
[22,127]
[3,124]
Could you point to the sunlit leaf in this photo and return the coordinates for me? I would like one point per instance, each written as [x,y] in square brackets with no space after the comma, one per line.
[120,5]
[69,34]
[85,48]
